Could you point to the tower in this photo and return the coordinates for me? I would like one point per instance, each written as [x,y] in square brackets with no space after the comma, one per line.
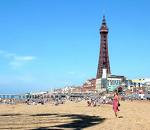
[103,63]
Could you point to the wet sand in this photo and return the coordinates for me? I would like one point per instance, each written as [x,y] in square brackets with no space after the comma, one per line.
[75,116]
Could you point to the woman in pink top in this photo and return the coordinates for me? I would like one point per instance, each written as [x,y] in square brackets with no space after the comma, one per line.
[116,103]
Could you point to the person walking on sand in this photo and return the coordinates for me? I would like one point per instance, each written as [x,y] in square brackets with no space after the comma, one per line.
[116,103]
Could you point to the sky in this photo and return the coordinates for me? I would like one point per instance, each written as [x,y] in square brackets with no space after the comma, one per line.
[47,44]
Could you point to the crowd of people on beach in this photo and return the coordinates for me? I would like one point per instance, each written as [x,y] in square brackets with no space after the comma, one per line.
[11,101]
[92,99]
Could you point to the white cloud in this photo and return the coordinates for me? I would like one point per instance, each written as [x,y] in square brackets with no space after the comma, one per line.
[24,58]
[6,54]
[15,60]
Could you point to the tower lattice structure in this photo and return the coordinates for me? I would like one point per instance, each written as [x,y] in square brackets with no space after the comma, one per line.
[103,62]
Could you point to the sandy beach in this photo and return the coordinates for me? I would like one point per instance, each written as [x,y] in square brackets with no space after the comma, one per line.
[75,116]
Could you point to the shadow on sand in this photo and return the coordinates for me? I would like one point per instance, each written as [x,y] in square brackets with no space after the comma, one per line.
[120,116]
[52,121]
[10,115]
[78,121]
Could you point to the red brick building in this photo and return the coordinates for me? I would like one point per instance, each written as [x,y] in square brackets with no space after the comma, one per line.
[89,85]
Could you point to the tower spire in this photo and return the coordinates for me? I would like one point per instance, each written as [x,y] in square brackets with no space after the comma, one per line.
[104,20]
[103,25]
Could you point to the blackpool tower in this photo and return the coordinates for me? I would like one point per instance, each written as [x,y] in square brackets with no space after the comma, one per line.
[103,63]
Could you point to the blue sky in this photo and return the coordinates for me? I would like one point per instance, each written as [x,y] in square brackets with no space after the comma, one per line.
[48,44]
